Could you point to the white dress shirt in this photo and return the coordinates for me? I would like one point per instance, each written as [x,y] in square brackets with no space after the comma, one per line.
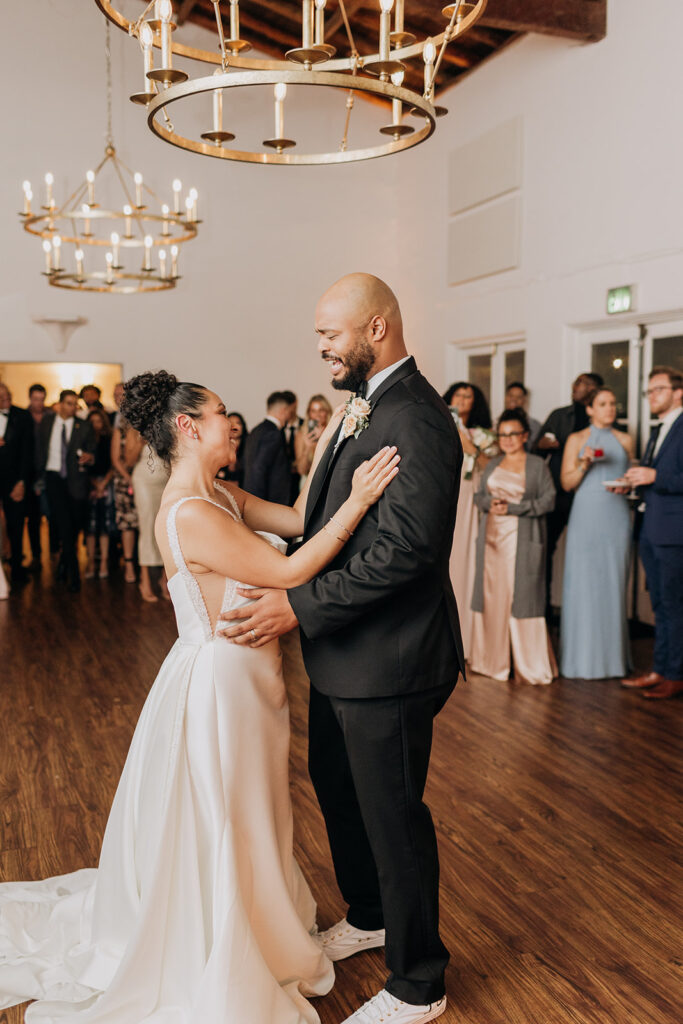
[54,456]
[373,383]
[4,420]
[667,423]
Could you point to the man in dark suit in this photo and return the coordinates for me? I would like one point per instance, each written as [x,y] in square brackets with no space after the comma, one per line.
[553,435]
[65,447]
[267,472]
[289,431]
[15,476]
[661,534]
[381,643]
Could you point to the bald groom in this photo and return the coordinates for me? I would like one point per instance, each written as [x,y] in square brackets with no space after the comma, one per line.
[381,643]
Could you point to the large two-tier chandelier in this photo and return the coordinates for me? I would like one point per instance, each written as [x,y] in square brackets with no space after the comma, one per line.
[166,89]
[131,243]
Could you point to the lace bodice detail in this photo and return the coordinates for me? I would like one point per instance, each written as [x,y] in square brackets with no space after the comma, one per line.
[190,584]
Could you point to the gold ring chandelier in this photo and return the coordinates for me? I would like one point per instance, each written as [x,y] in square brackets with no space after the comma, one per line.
[313,64]
[152,239]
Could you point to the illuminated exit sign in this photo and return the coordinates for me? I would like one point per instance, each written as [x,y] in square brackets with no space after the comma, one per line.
[621,300]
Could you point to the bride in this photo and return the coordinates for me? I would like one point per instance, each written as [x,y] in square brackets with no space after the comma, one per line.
[198,912]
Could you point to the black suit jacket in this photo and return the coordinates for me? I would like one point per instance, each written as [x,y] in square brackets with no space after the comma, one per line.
[16,452]
[381,619]
[83,438]
[267,469]
[663,521]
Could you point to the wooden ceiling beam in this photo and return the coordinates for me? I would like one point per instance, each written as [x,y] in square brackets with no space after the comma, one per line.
[185,10]
[574,19]
[337,21]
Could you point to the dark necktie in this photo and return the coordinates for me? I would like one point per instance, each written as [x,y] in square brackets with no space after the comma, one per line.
[649,456]
[362,389]
[65,450]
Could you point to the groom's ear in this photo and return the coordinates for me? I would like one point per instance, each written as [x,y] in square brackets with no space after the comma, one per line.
[377,327]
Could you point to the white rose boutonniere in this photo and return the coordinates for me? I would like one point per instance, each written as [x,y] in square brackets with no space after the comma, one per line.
[356,416]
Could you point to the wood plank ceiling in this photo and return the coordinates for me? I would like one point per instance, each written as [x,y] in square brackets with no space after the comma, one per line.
[274,26]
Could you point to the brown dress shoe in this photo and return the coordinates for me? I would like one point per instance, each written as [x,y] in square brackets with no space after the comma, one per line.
[642,681]
[667,688]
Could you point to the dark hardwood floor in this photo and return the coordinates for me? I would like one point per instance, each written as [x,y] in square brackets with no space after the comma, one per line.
[557,808]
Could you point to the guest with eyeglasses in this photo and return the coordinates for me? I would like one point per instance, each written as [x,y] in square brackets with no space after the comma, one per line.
[514,497]
[594,634]
[661,537]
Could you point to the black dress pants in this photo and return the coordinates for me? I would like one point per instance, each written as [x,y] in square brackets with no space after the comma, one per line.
[368,760]
[68,514]
[15,511]
[34,515]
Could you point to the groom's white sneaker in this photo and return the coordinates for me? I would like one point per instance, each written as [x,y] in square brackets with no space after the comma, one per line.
[385,1007]
[344,940]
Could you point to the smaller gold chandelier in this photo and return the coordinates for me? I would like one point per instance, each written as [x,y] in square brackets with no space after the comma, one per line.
[122,249]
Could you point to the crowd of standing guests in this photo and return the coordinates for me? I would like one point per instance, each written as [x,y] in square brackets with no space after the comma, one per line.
[523,485]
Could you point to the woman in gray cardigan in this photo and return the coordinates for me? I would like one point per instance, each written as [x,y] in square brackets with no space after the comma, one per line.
[514,496]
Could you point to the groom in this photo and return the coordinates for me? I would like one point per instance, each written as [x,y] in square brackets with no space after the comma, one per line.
[381,644]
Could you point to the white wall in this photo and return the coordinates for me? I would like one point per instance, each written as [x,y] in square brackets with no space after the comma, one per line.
[600,199]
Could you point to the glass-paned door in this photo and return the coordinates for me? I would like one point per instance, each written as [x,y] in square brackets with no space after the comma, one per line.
[479,373]
[515,365]
[611,359]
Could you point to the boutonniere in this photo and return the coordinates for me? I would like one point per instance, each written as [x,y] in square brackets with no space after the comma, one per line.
[356,416]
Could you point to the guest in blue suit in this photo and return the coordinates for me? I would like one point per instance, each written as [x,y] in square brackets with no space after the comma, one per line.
[661,538]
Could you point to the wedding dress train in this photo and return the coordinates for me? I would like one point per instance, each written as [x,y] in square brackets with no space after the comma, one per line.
[198,912]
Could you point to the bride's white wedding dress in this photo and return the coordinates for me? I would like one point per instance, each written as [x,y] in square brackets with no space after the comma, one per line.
[198,912]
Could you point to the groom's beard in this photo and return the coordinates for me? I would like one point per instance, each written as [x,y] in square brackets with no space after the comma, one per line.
[359,362]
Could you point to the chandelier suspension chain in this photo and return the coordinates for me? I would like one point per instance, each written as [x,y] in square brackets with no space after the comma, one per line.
[446,40]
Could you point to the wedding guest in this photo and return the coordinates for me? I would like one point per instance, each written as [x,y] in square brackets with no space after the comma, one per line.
[36,505]
[66,448]
[267,466]
[239,433]
[149,478]
[516,397]
[318,415]
[291,429]
[514,496]
[117,395]
[101,512]
[125,512]
[91,396]
[661,535]
[471,413]
[594,634]
[16,444]
[562,422]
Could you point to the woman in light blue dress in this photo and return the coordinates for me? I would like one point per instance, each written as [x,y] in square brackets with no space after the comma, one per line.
[594,634]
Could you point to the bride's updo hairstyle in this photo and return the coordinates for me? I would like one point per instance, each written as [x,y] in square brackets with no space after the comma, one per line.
[151,402]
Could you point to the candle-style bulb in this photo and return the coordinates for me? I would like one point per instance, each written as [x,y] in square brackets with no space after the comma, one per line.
[397,78]
[90,175]
[166,10]
[386,5]
[146,36]
[148,241]
[177,184]
[280,91]
[193,194]
[429,52]
[79,254]
[137,178]
[114,238]
[320,4]
[56,249]
[49,178]
[26,185]
[47,246]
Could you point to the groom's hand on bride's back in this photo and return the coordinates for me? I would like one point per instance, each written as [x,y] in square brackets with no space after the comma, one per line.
[255,625]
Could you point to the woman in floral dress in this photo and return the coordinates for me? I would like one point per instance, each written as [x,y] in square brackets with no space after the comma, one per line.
[126,513]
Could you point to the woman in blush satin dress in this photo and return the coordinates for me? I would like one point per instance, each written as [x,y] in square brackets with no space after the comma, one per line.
[515,494]
[198,912]
[594,636]
[471,413]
